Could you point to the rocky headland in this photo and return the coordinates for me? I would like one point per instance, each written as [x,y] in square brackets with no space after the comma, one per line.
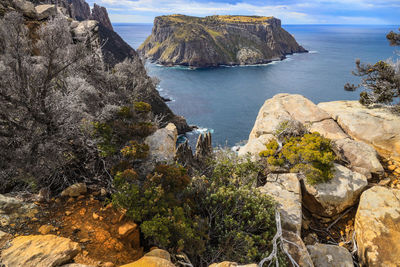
[218,40]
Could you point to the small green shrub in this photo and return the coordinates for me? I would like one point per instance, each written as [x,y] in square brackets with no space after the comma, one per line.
[142,107]
[106,146]
[135,150]
[310,154]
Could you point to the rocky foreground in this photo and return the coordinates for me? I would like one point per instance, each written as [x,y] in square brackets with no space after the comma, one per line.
[367,141]
[217,40]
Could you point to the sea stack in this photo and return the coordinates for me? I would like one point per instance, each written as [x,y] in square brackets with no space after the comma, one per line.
[217,40]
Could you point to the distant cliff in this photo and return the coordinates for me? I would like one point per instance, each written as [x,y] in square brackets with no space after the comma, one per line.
[218,40]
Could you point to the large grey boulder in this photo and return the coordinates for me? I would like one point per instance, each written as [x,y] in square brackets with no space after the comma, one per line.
[162,144]
[375,126]
[80,29]
[377,226]
[287,107]
[324,255]
[286,191]
[362,157]
[26,7]
[45,11]
[333,197]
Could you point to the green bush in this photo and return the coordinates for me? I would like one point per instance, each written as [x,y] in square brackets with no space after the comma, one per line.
[135,150]
[142,107]
[310,154]
[161,208]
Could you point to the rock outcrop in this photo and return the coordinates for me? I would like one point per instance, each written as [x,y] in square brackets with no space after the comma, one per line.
[155,258]
[13,209]
[375,126]
[218,40]
[286,191]
[100,14]
[39,251]
[333,197]
[377,227]
[162,144]
[324,255]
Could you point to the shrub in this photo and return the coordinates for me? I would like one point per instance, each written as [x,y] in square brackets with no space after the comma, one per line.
[142,107]
[310,154]
[135,150]
[161,208]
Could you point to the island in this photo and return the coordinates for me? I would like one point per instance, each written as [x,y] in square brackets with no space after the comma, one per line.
[217,40]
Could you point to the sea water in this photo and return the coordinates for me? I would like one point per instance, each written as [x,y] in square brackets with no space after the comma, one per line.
[226,100]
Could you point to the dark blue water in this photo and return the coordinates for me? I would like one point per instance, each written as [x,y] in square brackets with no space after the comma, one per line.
[227,99]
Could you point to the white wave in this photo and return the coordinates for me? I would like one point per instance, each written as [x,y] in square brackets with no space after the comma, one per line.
[201,130]
[313,52]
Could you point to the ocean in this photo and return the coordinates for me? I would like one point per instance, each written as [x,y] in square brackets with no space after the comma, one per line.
[226,100]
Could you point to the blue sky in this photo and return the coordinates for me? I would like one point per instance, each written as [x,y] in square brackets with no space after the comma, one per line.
[290,12]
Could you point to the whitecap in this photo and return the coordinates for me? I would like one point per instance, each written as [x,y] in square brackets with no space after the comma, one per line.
[313,52]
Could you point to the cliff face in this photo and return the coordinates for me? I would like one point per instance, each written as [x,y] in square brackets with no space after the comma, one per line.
[217,40]
[100,14]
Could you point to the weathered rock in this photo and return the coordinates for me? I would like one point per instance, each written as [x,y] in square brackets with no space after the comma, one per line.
[375,126]
[46,229]
[255,146]
[287,107]
[12,209]
[39,251]
[160,253]
[204,147]
[331,198]
[150,261]
[162,144]
[297,249]
[74,190]
[324,255]
[45,11]
[27,8]
[285,189]
[218,40]
[377,227]
[362,157]
[126,229]
[100,14]
[83,27]
[78,265]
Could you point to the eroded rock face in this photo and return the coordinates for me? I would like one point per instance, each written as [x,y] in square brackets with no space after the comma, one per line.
[150,261]
[333,197]
[217,40]
[375,126]
[27,8]
[39,251]
[324,255]
[100,14]
[285,189]
[377,227]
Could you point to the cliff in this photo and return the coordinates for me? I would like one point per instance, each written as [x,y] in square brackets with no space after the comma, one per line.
[217,40]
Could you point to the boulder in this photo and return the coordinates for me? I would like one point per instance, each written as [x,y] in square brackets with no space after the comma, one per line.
[46,229]
[375,126]
[162,144]
[255,146]
[74,190]
[377,226]
[362,157]
[285,189]
[39,251]
[80,30]
[160,253]
[126,229]
[45,11]
[324,255]
[26,7]
[150,261]
[285,107]
[333,197]
[297,249]
[77,265]
[12,209]
[4,237]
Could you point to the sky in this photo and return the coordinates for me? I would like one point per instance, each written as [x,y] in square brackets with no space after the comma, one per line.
[290,12]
